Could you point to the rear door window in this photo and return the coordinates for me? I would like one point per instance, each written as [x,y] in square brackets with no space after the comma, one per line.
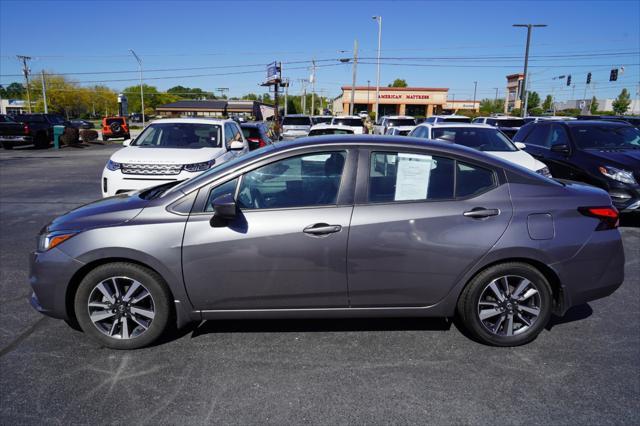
[398,176]
[473,180]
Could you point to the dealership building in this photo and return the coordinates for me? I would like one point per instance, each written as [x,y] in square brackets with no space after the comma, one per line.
[413,101]
[216,108]
[514,88]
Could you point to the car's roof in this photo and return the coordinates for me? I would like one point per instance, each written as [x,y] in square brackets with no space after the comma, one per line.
[194,120]
[357,117]
[503,117]
[296,115]
[399,117]
[455,124]
[330,126]
[600,123]
[451,116]
[252,124]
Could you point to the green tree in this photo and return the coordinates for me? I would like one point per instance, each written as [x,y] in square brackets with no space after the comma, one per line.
[13,91]
[593,108]
[548,103]
[250,97]
[189,93]
[491,106]
[152,98]
[533,100]
[398,82]
[622,102]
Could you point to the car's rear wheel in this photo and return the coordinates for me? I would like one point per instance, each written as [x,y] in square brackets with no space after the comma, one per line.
[41,141]
[123,305]
[506,304]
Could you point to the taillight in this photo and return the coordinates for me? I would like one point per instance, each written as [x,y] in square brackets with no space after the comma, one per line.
[26,129]
[608,215]
[259,141]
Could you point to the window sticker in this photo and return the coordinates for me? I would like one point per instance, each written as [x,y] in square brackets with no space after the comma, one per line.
[412,178]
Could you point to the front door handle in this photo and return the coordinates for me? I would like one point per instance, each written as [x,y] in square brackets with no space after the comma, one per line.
[321,229]
[481,212]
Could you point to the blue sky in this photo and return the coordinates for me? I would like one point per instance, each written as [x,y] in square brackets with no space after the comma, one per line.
[450,40]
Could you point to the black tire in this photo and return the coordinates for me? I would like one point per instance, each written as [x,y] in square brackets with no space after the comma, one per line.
[41,141]
[152,282]
[104,138]
[469,305]
[7,145]
[127,136]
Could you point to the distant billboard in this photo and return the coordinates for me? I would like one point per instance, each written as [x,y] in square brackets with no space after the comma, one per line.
[273,73]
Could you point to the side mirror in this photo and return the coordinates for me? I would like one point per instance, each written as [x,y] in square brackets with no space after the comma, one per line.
[520,145]
[560,148]
[126,142]
[224,207]
[236,146]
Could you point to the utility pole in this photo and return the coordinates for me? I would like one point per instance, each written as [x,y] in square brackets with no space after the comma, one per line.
[368,85]
[379,19]
[44,94]
[222,90]
[353,80]
[525,80]
[26,71]
[475,87]
[496,99]
[313,87]
[141,89]
[285,83]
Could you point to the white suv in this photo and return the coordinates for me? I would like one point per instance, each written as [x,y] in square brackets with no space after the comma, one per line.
[352,121]
[171,150]
[403,122]
[482,137]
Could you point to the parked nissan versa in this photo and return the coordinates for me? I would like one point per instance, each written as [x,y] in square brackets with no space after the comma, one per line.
[334,226]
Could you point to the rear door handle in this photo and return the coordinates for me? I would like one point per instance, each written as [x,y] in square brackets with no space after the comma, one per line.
[321,229]
[481,212]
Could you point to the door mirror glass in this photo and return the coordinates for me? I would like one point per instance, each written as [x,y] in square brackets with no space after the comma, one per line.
[560,148]
[520,145]
[224,207]
[236,146]
[126,142]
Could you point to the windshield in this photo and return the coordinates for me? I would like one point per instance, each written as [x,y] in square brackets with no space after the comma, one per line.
[296,121]
[35,118]
[401,122]
[5,119]
[325,119]
[353,122]
[318,132]
[180,135]
[480,139]
[515,122]
[606,137]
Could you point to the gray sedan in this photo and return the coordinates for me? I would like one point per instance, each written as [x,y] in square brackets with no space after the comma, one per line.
[336,226]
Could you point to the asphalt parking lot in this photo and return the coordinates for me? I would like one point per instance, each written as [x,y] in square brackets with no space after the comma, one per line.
[585,369]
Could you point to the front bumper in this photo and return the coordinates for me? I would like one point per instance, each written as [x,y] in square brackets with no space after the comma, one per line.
[293,135]
[114,182]
[50,273]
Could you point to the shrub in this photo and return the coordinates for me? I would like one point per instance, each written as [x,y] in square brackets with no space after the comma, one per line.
[88,135]
[70,136]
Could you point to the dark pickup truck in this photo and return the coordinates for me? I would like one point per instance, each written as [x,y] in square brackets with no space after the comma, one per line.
[28,129]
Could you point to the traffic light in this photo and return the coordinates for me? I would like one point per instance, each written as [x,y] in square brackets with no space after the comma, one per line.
[588,78]
[613,76]
[569,80]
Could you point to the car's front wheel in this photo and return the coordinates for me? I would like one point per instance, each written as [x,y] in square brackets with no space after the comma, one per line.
[506,304]
[123,305]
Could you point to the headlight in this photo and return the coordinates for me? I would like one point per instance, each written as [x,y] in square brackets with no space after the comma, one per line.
[52,239]
[624,176]
[199,167]
[544,172]
[112,165]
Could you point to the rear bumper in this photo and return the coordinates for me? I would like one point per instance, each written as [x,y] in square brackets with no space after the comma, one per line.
[596,271]
[15,140]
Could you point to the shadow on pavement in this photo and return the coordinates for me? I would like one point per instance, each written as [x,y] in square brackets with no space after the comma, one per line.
[321,325]
[630,220]
[576,313]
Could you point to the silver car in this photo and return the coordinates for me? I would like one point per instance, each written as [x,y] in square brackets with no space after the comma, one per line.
[334,226]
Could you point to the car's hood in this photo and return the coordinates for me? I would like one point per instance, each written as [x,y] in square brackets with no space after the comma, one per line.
[134,154]
[628,158]
[105,212]
[520,158]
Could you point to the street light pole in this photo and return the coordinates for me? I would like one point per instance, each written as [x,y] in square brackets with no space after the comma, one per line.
[368,85]
[141,89]
[353,81]
[525,80]
[379,19]
[475,88]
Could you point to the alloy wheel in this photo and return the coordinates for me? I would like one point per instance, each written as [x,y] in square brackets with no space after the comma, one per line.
[509,305]
[121,307]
